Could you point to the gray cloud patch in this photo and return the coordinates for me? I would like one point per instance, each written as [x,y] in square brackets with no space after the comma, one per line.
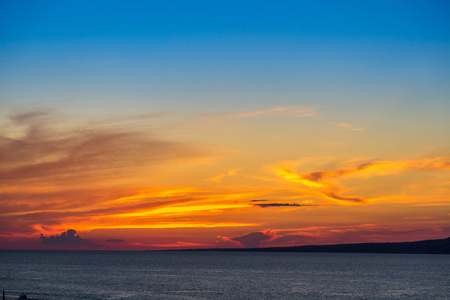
[254,239]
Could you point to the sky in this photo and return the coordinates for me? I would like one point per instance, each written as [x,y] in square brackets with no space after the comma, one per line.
[158,125]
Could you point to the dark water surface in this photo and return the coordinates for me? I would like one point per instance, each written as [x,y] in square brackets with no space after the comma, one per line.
[223,275]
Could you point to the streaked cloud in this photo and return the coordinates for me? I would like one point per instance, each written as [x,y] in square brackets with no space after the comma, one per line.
[350,127]
[333,196]
[290,111]
[54,153]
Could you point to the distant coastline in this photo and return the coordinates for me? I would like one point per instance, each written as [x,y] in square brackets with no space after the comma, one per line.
[441,246]
[437,246]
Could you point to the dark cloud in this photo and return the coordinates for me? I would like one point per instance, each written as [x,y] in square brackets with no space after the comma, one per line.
[69,238]
[276,204]
[254,239]
[280,204]
[118,241]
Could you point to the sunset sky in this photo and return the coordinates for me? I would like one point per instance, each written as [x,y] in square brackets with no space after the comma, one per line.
[196,124]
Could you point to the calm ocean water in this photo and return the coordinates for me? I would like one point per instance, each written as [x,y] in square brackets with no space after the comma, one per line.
[223,275]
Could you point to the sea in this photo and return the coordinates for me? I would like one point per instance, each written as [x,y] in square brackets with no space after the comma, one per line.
[222,275]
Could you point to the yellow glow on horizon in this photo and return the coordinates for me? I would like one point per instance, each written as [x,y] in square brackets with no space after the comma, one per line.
[182,209]
[154,194]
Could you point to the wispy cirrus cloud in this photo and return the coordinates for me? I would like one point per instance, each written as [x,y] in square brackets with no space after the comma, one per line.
[290,111]
[49,149]
[281,111]
[350,127]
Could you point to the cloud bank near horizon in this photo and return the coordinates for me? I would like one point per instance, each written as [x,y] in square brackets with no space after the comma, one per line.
[66,238]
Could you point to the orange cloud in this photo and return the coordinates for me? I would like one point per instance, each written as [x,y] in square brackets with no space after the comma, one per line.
[218,178]
[291,175]
[382,168]
[323,183]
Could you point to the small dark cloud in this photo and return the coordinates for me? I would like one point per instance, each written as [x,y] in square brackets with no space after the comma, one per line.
[254,239]
[278,204]
[259,200]
[118,241]
[69,238]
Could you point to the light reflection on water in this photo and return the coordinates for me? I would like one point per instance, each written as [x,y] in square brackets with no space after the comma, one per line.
[223,275]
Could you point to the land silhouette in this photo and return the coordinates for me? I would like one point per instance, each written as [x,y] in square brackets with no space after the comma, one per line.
[441,246]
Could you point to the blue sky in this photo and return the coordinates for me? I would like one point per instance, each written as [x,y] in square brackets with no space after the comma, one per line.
[199,50]
[83,20]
